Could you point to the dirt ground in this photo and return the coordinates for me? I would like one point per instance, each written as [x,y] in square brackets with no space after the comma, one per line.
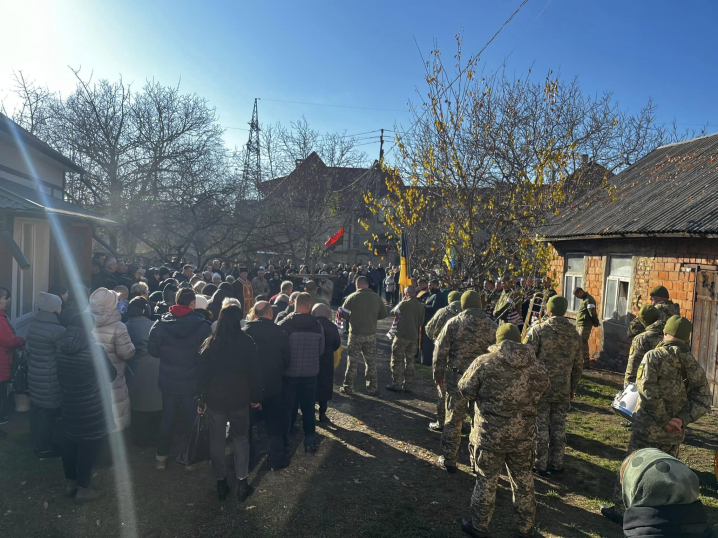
[375,474]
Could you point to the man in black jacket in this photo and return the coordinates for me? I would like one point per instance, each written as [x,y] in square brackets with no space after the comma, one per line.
[273,346]
[306,345]
[434,302]
[176,339]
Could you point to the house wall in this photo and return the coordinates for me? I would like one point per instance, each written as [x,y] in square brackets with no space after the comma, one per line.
[13,162]
[655,262]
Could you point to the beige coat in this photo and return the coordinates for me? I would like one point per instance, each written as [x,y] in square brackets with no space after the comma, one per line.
[112,334]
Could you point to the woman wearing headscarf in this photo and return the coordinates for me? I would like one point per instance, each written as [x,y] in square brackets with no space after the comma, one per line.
[332,342]
[661,497]
[145,395]
[275,284]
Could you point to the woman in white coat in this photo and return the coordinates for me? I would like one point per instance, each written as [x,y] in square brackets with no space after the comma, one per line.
[112,334]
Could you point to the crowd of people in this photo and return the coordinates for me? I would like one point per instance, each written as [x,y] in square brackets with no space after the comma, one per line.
[149,350]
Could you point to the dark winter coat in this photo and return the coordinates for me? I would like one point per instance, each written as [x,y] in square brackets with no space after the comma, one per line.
[176,340]
[230,377]
[351,288]
[281,316]
[215,304]
[275,286]
[43,339]
[278,308]
[8,344]
[142,383]
[274,355]
[85,373]
[684,520]
[306,344]
[435,302]
[332,342]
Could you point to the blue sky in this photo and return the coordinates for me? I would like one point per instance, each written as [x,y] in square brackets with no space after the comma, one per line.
[363,54]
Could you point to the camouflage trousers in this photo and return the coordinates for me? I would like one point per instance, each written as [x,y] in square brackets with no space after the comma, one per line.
[488,468]
[361,345]
[551,434]
[403,351]
[637,443]
[585,332]
[441,405]
[456,409]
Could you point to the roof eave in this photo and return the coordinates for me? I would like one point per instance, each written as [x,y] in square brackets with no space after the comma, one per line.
[664,235]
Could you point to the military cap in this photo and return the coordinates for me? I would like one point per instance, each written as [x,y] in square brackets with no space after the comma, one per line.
[660,291]
[557,305]
[470,299]
[679,327]
[508,331]
[454,296]
[648,314]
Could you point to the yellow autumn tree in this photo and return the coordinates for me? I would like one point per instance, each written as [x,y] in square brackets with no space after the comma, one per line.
[488,159]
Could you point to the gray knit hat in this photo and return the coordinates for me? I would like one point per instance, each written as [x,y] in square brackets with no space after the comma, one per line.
[47,302]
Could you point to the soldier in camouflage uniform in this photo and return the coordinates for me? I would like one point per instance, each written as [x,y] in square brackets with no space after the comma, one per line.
[586,320]
[464,338]
[558,349]
[666,307]
[508,303]
[645,341]
[366,309]
[672,393]
[433,329]
[507,384]
[404,345]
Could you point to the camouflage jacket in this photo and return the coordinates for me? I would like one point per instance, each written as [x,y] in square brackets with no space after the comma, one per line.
[587,315]
[642,344]
[666,309]
[635,328]
[462,339]
[507,384]
[433,328]
[671,384]
[558,348]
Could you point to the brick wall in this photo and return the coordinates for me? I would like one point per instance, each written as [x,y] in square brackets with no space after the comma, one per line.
[656,262]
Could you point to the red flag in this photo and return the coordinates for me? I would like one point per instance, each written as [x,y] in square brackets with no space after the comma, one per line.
[333,239]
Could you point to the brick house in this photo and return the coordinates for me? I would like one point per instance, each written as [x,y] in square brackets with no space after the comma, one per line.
[658,226]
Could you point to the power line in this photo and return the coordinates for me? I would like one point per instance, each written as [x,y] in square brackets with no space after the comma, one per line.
[526,32]
[336,106]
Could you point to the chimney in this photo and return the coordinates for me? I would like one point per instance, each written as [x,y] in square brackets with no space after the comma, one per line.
[584,159]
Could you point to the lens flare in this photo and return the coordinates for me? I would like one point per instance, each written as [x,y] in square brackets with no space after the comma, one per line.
[123,475]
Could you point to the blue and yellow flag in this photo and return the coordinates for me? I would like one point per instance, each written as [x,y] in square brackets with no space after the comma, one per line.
[404,278]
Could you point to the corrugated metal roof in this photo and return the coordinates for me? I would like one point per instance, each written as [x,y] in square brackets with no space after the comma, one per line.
[20,198]
[671,191]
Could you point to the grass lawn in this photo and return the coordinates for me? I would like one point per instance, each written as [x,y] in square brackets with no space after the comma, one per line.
[375,474]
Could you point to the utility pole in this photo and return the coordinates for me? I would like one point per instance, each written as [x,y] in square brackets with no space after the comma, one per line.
[252,156]
[381,146]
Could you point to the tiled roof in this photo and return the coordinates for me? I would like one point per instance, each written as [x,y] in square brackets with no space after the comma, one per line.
[672,191]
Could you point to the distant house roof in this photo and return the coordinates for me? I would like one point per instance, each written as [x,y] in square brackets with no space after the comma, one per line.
[312,178]
[671,192]
[13,131]
[16,197]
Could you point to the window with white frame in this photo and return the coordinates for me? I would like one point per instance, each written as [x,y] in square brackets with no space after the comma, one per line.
[618,286]
[573,279]
[33,238]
